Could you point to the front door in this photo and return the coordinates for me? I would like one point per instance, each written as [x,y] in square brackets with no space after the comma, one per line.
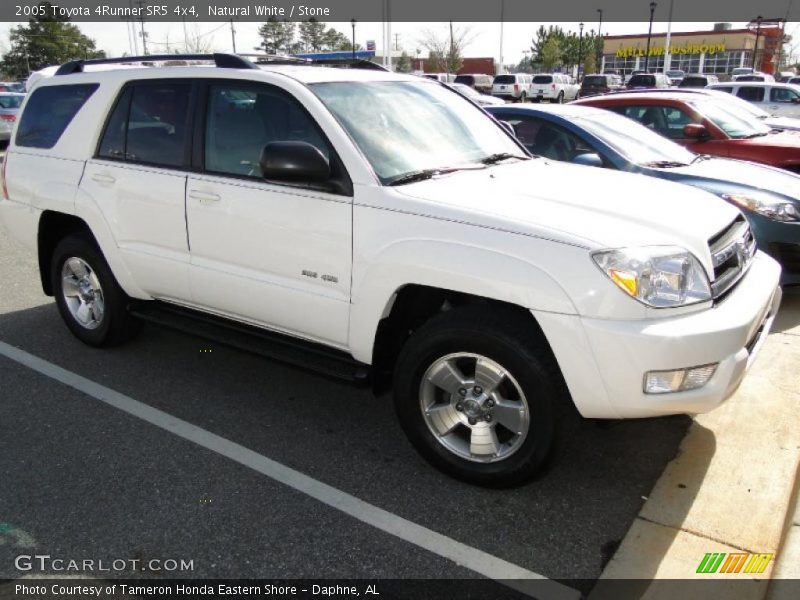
[264,252]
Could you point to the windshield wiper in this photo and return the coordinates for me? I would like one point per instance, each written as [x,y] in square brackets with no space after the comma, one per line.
[496,158]
[752,135]
[664,164]
[424,174]
[699,158]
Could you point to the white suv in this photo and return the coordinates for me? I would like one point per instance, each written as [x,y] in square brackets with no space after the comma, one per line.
[515,86]
[778,99]
[555,87]
[372,225]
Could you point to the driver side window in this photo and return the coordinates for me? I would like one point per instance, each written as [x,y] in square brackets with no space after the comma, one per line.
[548,139]
[241,119]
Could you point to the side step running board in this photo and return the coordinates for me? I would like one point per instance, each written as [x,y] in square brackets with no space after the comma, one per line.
[282,348]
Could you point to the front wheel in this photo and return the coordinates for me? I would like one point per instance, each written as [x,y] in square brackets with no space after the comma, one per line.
[91,303]
[475,393]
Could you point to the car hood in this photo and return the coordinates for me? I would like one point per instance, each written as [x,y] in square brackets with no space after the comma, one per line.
[787,140]
[587,206]
[739,173]
[789,123]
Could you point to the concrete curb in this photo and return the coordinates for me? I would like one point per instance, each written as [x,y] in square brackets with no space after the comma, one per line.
[732,485]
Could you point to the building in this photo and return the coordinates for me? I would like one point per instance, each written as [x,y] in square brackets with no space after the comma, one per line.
[717,51]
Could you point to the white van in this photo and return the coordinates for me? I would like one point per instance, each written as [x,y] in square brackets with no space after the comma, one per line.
[512,86]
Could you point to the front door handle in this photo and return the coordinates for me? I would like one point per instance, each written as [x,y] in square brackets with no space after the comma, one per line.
[101,178]
[204,197]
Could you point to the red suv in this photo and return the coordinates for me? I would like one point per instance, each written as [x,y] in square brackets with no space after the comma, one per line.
[706,126]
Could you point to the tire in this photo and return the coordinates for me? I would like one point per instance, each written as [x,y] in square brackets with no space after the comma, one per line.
[561,97]
[523,97]
[94,307]
[457,341]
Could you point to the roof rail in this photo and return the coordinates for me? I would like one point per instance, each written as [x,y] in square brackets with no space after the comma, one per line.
[221,60]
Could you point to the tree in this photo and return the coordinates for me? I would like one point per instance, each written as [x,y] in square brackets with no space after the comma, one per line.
[446,53]
[589,63]
[550,55]
[403,64]
[312,35]
[276,36]
[196,42]
[44,41]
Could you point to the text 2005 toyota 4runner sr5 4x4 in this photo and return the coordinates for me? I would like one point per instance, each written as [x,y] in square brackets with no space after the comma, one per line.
[364,223]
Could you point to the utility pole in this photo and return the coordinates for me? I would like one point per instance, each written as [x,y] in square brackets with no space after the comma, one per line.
[132,31]
[649,35]
[755,48]
[452,48]
[500,68]
[233,37]
[667,55]
[142,4]
[396,41]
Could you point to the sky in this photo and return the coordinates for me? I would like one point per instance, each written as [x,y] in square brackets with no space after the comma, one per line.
[114,38]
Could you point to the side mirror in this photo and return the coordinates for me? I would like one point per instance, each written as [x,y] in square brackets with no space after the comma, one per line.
[508,127]
[590,159]
[294,161]
[695,131]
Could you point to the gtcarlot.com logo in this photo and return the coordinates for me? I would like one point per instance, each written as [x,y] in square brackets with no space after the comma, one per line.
[47,563]
[734,562]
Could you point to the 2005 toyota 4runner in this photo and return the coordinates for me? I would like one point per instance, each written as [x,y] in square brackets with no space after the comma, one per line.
[373,225]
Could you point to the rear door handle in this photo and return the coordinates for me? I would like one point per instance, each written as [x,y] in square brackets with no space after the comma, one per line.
[204,197]
[101,178]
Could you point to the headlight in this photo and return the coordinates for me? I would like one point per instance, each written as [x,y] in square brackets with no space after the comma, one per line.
[659,276]
[772,208]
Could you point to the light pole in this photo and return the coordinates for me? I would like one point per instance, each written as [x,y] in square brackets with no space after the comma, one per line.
[599,55]
[580,49]
[419,60]
[353,25]
[649,34]
[758,35]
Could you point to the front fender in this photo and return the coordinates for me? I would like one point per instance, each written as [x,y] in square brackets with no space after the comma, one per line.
[450,265]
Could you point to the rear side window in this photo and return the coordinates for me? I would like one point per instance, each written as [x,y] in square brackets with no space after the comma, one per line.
[751,93]
[49,111]
[149,125]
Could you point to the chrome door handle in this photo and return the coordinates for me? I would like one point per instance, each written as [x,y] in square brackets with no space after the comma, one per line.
[204,197]
[100,178]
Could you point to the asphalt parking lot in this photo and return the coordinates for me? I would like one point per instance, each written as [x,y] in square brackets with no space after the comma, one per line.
[82,479]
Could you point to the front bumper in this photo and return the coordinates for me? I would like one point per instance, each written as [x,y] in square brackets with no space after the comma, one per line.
[604,362]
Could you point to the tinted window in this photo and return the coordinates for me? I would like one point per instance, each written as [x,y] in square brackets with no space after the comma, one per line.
[642,81]
[242,119]
[543,79]
[112,145]
[549,140]
[693,82]
[465,79]
[665,120]
[48,112]
[594,80]
[751,94]
[158,124]
[725,88]
[783,95]
[504,79]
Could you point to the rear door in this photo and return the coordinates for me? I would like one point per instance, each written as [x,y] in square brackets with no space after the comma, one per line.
[755,94]
[783,101]
[273,254]
[138,179]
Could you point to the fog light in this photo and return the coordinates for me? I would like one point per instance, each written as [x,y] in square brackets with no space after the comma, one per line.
[679,380]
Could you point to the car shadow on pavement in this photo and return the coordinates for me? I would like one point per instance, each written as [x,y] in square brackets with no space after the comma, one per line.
[566,524]
[789,314]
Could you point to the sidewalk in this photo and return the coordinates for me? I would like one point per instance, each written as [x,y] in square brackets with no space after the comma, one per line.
[731,487]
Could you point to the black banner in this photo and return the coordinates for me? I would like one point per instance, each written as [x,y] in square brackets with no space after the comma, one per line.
[402,10]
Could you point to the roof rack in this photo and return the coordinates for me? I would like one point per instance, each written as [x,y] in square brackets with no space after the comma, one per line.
[221,60]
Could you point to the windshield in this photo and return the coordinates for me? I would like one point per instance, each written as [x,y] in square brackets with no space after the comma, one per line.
[10,101]
[403,127]
[635,142]
[735,123]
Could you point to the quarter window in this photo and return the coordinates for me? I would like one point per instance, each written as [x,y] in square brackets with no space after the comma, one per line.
[242,119]
[49,111]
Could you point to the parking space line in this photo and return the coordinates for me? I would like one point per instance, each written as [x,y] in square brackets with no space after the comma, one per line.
[480,562]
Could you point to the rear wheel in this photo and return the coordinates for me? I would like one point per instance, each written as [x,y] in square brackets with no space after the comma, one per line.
[475,393]
[91,303]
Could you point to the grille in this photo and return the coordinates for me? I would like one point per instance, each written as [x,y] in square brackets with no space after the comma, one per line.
[732,251]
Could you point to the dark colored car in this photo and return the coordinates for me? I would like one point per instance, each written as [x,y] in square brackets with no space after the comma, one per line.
[648,80]
[593,85]
[696,80]
[705,125]
[479,82]
[769,197]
